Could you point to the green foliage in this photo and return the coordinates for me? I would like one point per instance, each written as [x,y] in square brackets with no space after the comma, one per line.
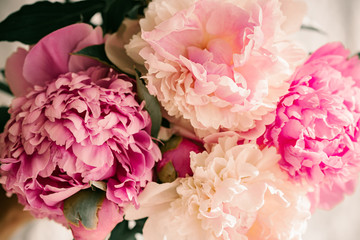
[4,87]
[32,22]
[96,52]
[4,117]
[171,144]
[83,206]
[116,10]
[123,232]
[151,105]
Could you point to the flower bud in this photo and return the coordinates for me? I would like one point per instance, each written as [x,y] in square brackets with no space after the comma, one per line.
[176,158]
[109,215]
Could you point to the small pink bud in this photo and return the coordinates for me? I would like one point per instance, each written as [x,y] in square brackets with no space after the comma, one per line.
[176,158]
[109,215]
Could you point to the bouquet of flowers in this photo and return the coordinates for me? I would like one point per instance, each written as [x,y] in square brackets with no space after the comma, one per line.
[197,119]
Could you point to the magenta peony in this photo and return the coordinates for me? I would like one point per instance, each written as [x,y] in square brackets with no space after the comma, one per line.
[317,125]
[226,59]
[77,124]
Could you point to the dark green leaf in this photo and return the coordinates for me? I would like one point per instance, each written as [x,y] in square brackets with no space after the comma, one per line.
[116,10]
[4,87]
[4,117]
[151,105]
[312,28]
[32,22]
[122,231]
[96,52]
[83,206]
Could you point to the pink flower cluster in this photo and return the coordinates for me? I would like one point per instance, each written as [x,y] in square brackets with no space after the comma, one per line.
[253,135]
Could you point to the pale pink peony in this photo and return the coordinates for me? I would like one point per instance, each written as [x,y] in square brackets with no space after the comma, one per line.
[317,125]
[77,124]
[222,65]
[236,192]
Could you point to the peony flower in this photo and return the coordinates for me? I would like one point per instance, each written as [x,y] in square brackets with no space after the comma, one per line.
[236,192]
[317,125]
[73,131]
[175,160]
[78,124]
[226,59]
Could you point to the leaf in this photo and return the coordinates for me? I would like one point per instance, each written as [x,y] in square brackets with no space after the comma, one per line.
[167,173]
[312,28]
[83,206]
[116,10]
[171,144]
[32,22]
[4,117]
[151,105]
[123,232]
[96,52]
[4,87]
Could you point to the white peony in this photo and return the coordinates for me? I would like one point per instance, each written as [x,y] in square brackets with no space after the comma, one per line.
[237,192]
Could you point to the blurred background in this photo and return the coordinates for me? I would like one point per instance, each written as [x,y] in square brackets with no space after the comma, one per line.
[337,20]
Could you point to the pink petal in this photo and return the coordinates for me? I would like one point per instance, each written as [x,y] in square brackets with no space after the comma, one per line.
[78,63]
[96,156]
[14,74]
[53,50]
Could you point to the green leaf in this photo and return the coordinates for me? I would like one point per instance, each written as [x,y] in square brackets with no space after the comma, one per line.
[4,117]
[171,144]
[83,206]
[168,173]
[116,10]
[4,87]
[312,28]
[32,22]
[151,105]
[122,231]
[96,52]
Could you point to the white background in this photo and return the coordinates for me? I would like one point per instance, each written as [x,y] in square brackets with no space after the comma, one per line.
[340,21]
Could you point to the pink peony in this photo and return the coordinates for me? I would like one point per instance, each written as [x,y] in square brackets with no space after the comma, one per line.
[317,125]
[220,64]
[82,127]
[236,192]
[77,124]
